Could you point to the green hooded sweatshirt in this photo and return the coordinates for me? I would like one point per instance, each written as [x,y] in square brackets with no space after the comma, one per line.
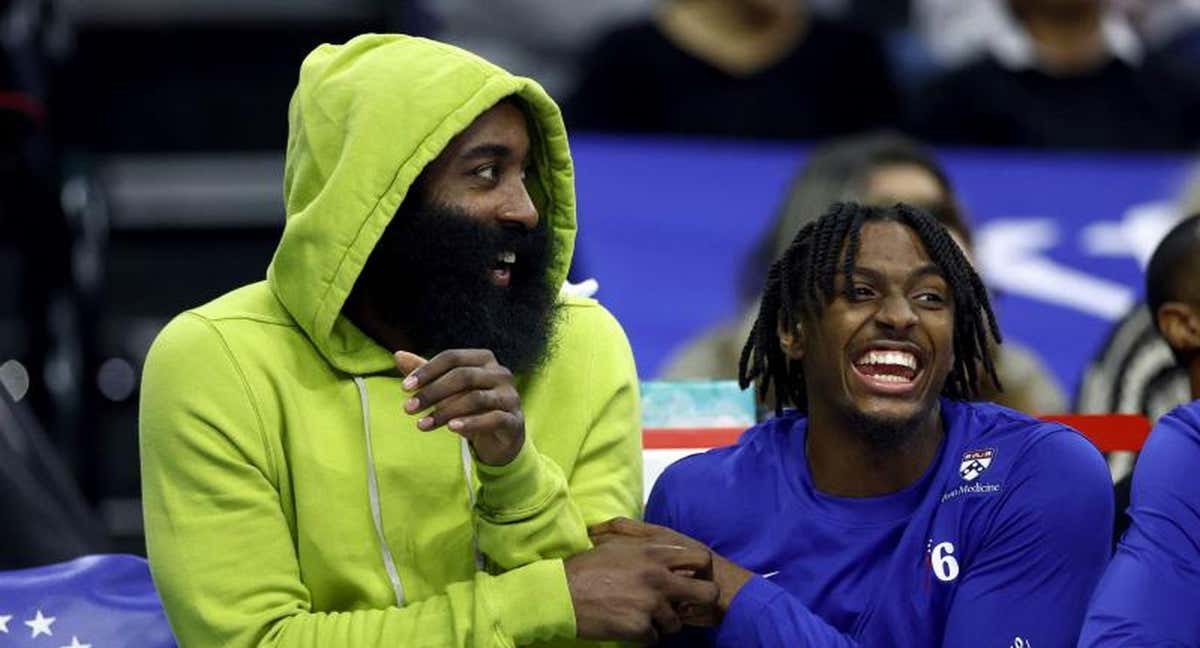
[289,500]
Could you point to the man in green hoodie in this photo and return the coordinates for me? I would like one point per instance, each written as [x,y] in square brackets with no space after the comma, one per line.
[309,479]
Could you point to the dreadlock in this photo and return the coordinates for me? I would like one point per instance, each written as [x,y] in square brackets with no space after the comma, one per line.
[802,281]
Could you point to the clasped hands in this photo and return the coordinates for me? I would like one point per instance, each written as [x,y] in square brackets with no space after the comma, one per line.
[642,581]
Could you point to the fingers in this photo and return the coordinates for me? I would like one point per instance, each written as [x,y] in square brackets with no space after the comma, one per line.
[678,558]
[621,526]
[666,620]
[469,426]
[440,364]
[693,591]
[465,379]
[466,406]
[697,615]
[408,362]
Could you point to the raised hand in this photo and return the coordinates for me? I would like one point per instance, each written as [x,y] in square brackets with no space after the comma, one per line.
[470,393]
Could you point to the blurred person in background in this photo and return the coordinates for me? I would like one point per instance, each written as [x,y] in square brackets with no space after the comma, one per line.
[736,68]
[1171,27]
[548,40]
[1135,372]
[1063,74]
[309,479]
[876,169]
[881,508]
[1148,596]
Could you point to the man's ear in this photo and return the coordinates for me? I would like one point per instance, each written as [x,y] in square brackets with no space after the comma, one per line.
[1180,325]
[791,338]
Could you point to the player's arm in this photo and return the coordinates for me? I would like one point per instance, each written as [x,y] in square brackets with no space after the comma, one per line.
[1148,593]
[1043,551]
[753,611]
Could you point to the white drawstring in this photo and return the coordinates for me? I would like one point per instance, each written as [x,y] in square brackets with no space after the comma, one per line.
[377,512]
[469,474]
[373,492]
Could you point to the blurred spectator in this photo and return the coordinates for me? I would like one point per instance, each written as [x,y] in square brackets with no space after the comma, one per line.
[1168,26]
[546,41]
[741,68]
[1135,372]
[1066,76]
[876,169]
[1148,594]
[957,32]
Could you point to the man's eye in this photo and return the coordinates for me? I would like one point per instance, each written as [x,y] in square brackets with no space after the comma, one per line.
[487,172]
[931,298]
[862,292]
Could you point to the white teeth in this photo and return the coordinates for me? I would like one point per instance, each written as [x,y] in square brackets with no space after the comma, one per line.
[890,378]
[507,257]
[898,358]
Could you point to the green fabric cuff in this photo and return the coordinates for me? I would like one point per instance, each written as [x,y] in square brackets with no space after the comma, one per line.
[512,491]
[533,603]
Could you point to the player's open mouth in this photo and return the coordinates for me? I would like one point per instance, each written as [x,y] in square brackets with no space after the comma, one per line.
[501,273]
[887,370]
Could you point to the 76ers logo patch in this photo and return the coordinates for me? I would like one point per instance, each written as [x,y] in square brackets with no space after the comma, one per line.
[975,462]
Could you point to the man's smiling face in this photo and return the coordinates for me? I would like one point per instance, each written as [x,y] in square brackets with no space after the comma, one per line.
[465,262]
[880,353]
[481,173]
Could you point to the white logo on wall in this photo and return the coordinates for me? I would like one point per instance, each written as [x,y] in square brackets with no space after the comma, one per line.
[1020,643]
[975,462]
[1015,256]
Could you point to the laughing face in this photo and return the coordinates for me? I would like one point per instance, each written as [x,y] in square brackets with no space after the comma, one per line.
[879,355]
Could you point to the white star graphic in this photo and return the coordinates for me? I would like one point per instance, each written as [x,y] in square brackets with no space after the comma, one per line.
[4,619]
[40,625]
[75,644]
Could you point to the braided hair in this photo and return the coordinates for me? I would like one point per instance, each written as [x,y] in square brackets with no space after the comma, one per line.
[801,282]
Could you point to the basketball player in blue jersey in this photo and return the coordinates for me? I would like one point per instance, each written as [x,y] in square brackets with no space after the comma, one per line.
[1150,594]
[881,508]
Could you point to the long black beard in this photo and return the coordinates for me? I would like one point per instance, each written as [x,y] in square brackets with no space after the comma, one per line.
[429,277]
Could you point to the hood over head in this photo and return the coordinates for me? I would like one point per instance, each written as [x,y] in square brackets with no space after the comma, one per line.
[365,120]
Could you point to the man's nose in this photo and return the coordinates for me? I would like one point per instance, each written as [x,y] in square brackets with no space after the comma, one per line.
[518,208]
[896,312]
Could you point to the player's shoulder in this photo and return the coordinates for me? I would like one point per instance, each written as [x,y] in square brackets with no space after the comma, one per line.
[715,495]
[1183,421]
[1011,443]
[731,466]
[1174,441]
[992,423]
